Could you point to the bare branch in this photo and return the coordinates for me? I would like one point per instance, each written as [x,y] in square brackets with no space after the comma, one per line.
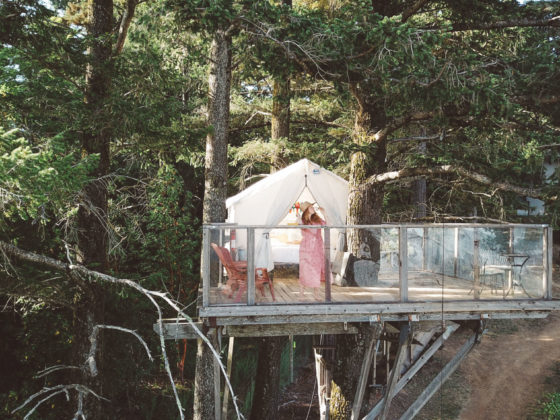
[519,23]
[52,369]
[549,146]
[413,173]
[126,19]
[93,339]
[54,391]
[93,276]
[408,13]
[401,121]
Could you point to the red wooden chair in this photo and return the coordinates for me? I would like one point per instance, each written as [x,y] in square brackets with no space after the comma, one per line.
[237,274]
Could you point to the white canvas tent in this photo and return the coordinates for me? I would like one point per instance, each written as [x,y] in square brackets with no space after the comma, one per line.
[268,201]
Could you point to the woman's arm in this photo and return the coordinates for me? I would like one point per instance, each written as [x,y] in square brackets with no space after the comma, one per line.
[324,213]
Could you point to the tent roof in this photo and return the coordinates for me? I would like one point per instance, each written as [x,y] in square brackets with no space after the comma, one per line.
[303,166]
[282,188]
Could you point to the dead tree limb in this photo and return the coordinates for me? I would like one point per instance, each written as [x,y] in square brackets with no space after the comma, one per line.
[87,275]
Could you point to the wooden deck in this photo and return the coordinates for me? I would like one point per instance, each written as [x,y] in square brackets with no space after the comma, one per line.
[423,287]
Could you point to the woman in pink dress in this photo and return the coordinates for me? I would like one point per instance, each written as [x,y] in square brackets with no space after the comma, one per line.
[311,251]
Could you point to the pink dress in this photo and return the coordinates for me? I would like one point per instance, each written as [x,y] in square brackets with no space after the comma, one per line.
[311,257]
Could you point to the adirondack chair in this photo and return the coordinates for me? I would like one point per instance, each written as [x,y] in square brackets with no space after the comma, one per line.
[237,274]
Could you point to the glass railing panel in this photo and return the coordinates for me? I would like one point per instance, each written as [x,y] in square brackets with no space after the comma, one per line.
[424,262]
[363,264]
[227,266]
[369,271]
[527,262]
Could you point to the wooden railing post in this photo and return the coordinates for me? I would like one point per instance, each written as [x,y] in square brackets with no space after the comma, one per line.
[205,266]
[403,264]
[476,263]
[456,252]
[327,246]
[424,249]
[250,266]
[547,262]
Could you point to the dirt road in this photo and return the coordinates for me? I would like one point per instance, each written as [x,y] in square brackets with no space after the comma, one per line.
[508,373]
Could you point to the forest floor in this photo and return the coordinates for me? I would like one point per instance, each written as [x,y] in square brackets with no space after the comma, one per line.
[504,376]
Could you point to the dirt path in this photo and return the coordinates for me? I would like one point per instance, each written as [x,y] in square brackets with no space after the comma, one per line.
[507,372]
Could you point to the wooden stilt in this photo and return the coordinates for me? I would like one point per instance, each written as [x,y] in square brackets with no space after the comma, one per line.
[445,373]
[217,379]
[388,359]
[366,365]
[321,383]
[401,354]
[291,359]
[414,369]
[374,372]
[226,389]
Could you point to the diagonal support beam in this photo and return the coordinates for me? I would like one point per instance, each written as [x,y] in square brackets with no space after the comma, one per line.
[414,369]
[445,373]
[399,359]
[366,365]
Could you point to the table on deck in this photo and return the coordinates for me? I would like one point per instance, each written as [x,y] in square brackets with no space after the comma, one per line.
[515,260]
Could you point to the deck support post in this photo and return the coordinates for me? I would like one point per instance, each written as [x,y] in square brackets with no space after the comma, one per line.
[228,367]
[364,373]
[445,373]
[291,340]
[413,370]
[217,376]
[399,359]
[324,378]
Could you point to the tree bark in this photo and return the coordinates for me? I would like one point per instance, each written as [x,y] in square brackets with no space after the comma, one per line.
[265,399]
[92,212]
[215,193]
[216,168]
[364,207]
[365,200]
[280,120]
[267,386]
[350,350]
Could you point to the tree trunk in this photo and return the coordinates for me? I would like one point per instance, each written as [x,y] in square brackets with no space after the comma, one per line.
[92,213]
[216,167]
[215,194]
[365,201]
[280,121]
[265,399]
[364,207]
[350,351]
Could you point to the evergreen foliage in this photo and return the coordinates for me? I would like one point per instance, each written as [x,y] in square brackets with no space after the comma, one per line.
[487,97]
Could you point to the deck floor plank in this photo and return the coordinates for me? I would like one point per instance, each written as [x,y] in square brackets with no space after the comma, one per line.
[423,286]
